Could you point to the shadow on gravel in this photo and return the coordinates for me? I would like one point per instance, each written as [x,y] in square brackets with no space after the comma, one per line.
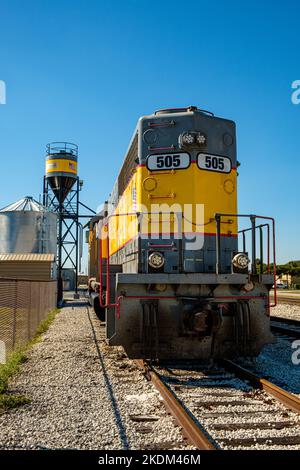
[74,303]
[118,418]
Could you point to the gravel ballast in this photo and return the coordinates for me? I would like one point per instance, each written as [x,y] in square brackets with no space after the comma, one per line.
[277,361]
[235,415]
[286,311]
[85,395]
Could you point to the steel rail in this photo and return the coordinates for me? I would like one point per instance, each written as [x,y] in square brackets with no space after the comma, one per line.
[285,331]
[288,399]
[287,300]
[288,321]
[193,433]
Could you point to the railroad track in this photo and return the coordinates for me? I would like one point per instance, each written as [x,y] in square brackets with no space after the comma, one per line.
[227,407]
[287,300]
[285,326]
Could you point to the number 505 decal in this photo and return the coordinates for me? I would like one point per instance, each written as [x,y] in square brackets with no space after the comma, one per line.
[168,161]
[218,163]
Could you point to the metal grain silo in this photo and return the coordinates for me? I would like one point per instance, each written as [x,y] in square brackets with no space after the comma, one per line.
[27,227]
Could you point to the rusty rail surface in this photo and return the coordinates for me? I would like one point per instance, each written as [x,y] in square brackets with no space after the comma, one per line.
[193,433]
[288,399]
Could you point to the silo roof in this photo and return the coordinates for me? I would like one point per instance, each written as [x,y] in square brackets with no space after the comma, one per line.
[27,203]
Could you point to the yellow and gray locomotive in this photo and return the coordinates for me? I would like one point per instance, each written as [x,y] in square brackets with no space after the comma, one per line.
[167,272]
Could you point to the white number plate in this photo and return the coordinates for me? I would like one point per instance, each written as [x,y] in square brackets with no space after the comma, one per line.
[218,163]
[168,161]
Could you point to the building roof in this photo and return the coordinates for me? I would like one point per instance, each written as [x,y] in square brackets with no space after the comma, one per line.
[41,257]
[27,203]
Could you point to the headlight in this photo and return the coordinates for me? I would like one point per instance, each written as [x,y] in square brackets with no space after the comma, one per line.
[240,261]
[156,260]
[201,139]
[192,138]
[188,138]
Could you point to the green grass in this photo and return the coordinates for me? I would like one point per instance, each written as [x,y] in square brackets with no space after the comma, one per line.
[14,363]
[11,367]
[43,327]
[10,401]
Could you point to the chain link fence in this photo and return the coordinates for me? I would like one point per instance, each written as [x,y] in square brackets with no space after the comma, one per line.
[23,305]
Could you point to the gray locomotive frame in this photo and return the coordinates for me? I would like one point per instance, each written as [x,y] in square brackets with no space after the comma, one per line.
[190,308]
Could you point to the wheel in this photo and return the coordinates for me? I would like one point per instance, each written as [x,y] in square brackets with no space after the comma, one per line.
[99,311]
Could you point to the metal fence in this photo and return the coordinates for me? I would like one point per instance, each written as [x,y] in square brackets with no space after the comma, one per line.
[23,305]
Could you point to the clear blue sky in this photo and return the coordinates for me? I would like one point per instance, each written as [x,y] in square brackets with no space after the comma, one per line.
[84,71]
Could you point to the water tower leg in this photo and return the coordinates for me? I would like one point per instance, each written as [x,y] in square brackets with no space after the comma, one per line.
[60,293]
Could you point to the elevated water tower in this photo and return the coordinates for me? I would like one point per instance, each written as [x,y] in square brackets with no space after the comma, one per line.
[61,195]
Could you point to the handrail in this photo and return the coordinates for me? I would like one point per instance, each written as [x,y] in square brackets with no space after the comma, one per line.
[253,227]
[116,303]
[56,147]
[260,227]
[218,216]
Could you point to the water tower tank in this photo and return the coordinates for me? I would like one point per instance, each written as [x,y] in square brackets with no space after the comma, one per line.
[61,168]
[27,227]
